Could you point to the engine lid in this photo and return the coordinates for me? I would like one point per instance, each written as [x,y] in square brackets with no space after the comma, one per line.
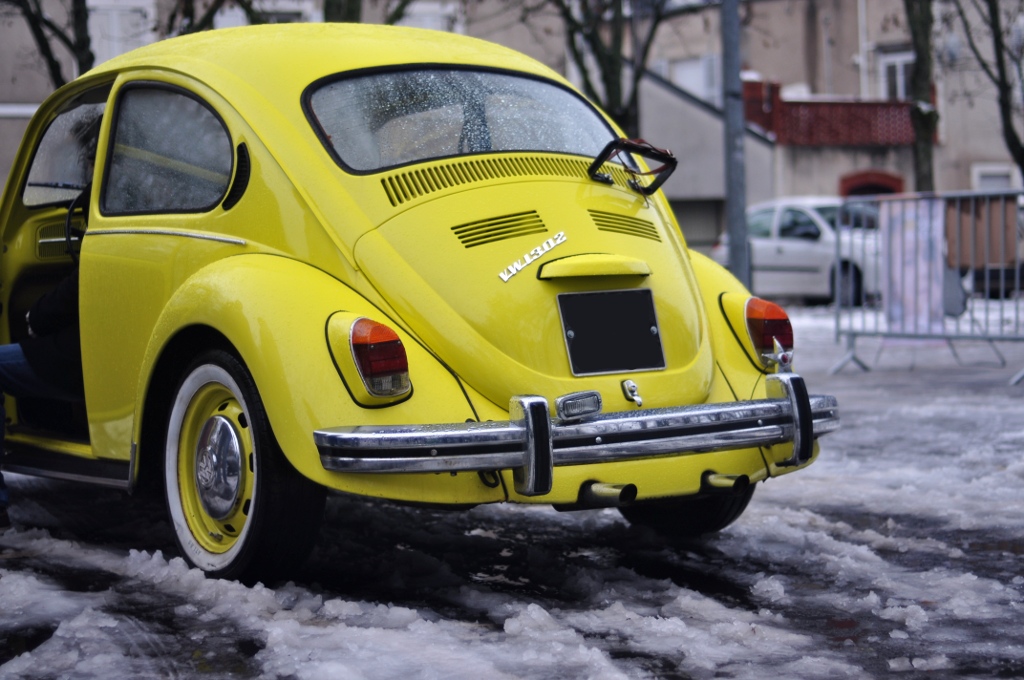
[503,283]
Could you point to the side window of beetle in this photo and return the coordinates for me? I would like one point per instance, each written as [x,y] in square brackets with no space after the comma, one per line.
[63,162]
[169,153]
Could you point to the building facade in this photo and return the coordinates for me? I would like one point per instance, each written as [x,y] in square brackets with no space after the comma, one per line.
[836,73]
[825,88]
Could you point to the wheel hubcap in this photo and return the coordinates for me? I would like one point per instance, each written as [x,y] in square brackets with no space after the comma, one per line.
[218,467]
[215,467]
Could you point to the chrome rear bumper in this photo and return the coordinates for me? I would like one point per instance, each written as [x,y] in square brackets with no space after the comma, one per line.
[532,443]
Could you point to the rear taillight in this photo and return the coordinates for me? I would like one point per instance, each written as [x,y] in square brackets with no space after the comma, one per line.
[766,323]
[380,357]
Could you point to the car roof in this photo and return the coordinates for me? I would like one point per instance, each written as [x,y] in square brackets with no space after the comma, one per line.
[304,52]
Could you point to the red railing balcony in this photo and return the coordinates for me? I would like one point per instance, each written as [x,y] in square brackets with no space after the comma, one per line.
[822,122]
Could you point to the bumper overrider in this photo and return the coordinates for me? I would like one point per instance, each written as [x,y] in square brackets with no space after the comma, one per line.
[532,444]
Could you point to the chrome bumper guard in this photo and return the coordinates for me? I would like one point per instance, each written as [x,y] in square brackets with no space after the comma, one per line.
[532,444]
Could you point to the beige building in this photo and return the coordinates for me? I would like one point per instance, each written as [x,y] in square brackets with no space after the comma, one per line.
[844,53]
[826,84]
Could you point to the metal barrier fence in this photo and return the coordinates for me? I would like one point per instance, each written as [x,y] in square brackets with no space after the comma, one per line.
[942,266]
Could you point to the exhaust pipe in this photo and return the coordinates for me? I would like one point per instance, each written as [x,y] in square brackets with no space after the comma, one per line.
[600,495]
[737,484]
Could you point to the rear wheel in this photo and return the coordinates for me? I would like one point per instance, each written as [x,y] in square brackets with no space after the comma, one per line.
[689,517]
[239,509]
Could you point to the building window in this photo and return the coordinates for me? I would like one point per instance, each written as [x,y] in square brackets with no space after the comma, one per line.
[894,69]
[995,177]
[700,76]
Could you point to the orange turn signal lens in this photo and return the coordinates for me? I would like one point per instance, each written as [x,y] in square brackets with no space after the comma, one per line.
[380,357]
[766,323]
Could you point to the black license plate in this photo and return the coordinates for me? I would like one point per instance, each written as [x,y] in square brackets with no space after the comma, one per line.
[611,331]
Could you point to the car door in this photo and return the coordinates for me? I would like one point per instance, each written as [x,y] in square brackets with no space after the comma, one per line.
[52,175]
[760,223]
[800,258]
[166,169]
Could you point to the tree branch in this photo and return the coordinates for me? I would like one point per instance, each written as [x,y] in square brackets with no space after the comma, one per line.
[205,22]
[996,71]
[971,42]
[397,12]
[33,16]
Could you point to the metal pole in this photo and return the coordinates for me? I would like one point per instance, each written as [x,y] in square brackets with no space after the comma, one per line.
[735,161]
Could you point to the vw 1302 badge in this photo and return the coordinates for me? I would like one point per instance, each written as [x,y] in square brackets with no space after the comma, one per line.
[531,256]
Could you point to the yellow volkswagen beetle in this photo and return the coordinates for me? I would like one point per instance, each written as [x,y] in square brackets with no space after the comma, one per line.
[389,262]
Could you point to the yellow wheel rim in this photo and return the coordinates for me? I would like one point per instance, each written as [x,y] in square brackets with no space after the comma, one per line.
[216,496]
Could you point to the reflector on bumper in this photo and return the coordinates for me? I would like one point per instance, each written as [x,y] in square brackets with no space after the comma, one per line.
[532,444]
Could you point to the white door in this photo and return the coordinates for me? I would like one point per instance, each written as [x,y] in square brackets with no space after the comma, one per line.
[796,260]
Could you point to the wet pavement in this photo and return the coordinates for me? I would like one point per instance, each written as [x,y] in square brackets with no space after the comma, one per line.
[862,569]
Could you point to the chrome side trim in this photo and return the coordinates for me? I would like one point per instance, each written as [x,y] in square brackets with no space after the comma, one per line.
[27,459]
[170,232]
[119,484]
[522,443]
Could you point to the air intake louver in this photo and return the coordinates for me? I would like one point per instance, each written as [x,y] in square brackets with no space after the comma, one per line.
[51,243]
[406,186]
[620,224]
[499,228]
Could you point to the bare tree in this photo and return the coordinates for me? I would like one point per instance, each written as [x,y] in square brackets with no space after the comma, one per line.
[190,16]
[994,31]
[51,34]
[923,115]
[350,11]
[183,17]
[610,41]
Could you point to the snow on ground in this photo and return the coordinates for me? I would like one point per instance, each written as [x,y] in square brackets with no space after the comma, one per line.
[898,552]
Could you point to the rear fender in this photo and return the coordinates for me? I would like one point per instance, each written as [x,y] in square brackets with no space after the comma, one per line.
[725,299]
[274,313]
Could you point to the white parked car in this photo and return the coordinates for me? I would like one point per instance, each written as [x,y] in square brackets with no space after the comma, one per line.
[793,248]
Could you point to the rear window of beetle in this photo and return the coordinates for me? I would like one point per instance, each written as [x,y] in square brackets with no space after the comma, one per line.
[381,120]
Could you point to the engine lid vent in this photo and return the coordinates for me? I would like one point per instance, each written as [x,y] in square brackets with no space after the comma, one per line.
[621,224]
[499,228]
[406,186]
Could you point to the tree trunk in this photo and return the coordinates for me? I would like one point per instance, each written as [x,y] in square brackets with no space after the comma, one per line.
[348,11]
[1003,81]
[923,115]
[33,17]
[80,34]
